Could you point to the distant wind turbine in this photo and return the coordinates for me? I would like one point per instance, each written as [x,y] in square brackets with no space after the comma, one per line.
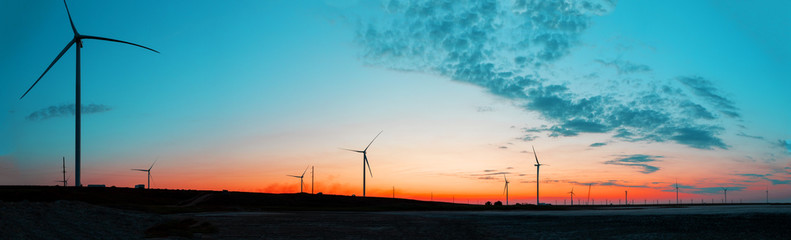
[300,178]
[572,196]
[725,191]
[676,191]
[767,194]
[365,159]
[77,39]
[505,190]
[147,171]
[626,197]
[589,193]
[538,167]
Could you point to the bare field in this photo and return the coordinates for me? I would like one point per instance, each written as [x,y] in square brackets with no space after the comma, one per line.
[704,222]
[116,213]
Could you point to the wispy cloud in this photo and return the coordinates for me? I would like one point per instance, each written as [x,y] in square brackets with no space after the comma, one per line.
[598,144]
[625,67]
[705,89]
[769,177]
[742,134]
[612,183]
[65,110]
[505,46]
[637,160]
[785,144]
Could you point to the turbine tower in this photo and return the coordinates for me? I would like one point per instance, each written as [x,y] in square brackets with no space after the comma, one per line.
[77,39]
[572,196]
[312,175]
[300,178]
[538,167]
[505,190]
[365,159]
[147,171]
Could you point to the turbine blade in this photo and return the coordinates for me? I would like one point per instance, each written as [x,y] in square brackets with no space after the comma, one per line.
[152,165]
[372,141]
[369,165]
[142,170]
[114,40]
[303,172]
[293,176]
[535,155]
[74,29]
[357,151]
[50,65]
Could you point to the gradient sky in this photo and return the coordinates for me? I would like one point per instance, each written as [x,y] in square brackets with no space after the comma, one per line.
[627,96]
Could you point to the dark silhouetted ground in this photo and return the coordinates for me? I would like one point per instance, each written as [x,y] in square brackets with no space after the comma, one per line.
[31,212]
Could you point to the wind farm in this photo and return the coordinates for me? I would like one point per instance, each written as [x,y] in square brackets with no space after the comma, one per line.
[620,97]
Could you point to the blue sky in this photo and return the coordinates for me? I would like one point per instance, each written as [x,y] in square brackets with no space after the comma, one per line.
[621,94]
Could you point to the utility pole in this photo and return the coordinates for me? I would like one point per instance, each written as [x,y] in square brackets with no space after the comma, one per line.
[64,176]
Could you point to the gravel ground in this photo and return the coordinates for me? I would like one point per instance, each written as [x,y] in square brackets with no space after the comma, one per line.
[71,220]
[78,220]
[718,222]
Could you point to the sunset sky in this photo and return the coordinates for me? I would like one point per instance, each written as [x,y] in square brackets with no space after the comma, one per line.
[622,96]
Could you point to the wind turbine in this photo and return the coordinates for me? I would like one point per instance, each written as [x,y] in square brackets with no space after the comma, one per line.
[505,190]
[767,194]
[300,178]
[626,197]
[589,193]
[147,171]
[77,39]
[676,191]
[725,190]
[538,166]
[572,196]
[365,159]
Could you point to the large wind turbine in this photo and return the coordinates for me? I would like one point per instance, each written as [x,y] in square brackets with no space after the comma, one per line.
[538,166]
[300,178]
[505,190]
[365,159]
[147,171]
[77,39]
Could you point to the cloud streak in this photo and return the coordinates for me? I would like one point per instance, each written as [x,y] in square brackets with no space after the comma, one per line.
[638,161]
[65,110]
